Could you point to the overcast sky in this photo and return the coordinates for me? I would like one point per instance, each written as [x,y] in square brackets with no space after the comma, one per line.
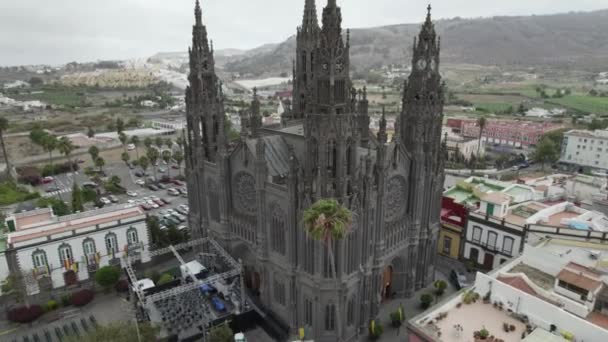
[61,31]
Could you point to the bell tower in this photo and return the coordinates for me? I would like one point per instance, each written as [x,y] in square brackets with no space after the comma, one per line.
[331,126]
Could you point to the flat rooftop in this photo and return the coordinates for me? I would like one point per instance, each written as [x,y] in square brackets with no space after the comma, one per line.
[49,225]
[538,277]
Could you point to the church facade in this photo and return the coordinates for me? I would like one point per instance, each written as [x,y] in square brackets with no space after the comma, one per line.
[250,194]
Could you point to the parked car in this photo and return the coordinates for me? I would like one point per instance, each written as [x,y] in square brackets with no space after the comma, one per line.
[175,167]
[179,217]
[153,187]
[113,199]
[47,180]
[218,304]
[52,189]
[185,207]
[178,182]
[182,191]
[105,201]
[158,202]
[182,228]
[131,193]
[167,201]
[173,192]
[161,186]
[459,279]
[181,211]
[139,174]
[131,147]
[162,170]
[146,206]
[153,204]
[140,182]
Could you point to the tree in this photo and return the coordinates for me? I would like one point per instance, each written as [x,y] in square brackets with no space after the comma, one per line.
[328,221]
[94,152]
[120,126]
[125,157]
[3,127]
[49,143]
[66,147]
[148,142]
[169,143]
[178,156]
[440,286]
[107,276]
[77,199]
[521,110]
[153,226]
[164,279]
[153,155]
[144,163]
[481,122]
[123,140]
[60,208]
[166,155]
[159,142]
[90,132]
[36,81]
[426,300]
[221,333]
[123,331]
[135,141]
[100,163]
[546,152]
[180,142]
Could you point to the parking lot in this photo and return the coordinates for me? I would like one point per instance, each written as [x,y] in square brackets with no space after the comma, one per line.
[161,202]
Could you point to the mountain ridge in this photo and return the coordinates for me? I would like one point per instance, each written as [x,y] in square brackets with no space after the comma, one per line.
[573,39]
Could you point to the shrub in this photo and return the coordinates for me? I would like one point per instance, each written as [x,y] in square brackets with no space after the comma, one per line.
[153,275]
[426,300]
[165,278]
[66,299]
[51,305]
[107,276]
[82,297]
[375,330]
[25,314]
[57,169]
[440,286]
[122,286]
[397,317]
[470,297]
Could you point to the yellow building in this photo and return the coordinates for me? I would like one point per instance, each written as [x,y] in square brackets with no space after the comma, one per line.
[453,221]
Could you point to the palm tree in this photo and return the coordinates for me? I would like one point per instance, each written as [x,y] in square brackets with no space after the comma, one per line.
[90,132]
[120,126]
[3,128]
[148,142]
[327,221]
[125,157]
[123,140]
[94,152]
[66,148]
[135,141]
[481,122]
[166,155]
[144,163]
[100,163]
[49,143]
[153,155]
[178,156]
[180,142]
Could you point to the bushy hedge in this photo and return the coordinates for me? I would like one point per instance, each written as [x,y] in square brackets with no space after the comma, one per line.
[57,169]
[82,297]
[51,305]
[25,314]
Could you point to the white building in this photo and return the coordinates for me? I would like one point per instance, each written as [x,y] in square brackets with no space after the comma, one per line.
[585,148]
[557,288]
[54,252]
[175,124]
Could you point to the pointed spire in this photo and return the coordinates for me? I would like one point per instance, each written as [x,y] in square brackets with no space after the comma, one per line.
[331,3]
[309,21]
[382,136]
[428,14]
[198,14]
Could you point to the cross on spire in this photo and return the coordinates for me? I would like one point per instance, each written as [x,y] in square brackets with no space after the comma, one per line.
[428,15]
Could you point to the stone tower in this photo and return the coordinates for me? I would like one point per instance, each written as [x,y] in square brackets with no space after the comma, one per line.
[307,37]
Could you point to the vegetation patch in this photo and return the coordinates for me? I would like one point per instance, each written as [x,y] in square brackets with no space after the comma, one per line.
[11,193]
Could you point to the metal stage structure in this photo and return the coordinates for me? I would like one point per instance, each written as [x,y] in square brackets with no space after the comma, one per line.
[182,310]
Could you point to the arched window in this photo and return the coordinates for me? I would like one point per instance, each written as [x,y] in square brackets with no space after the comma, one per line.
[65,253]
[88,246]
[111,243]
[277,229]
[39,259]
[331,158]
[132,238]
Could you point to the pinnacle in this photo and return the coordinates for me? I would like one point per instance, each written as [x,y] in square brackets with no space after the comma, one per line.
[198,13]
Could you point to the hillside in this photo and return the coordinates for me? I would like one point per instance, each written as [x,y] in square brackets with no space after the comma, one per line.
[574,39]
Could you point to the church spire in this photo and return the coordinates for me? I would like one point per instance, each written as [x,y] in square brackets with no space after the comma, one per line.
[309,20]
[382,135]
[198,14]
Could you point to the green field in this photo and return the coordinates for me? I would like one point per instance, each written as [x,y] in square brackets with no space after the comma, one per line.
[589,104]
[11,193]
[59,96]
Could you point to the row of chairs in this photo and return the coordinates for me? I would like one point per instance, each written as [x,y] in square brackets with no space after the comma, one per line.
[61,332]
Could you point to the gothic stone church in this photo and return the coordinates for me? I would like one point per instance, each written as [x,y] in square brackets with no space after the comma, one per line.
[250,194]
